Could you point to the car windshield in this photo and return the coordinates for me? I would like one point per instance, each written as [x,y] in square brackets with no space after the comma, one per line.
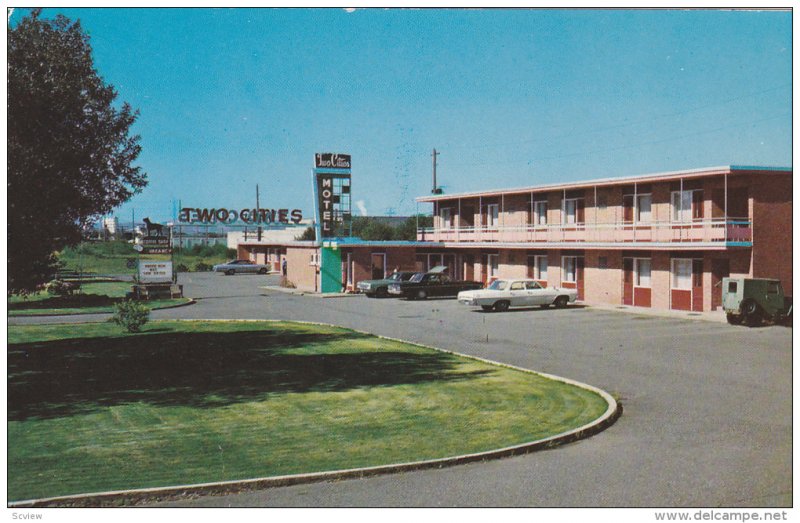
[417,277]
[498,285]
[396,276]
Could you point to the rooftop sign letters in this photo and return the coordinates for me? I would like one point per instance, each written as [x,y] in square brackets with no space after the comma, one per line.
[332,161]
[249,216]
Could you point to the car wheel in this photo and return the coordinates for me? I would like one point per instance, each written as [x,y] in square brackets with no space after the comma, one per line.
[262,271]
[369,294]
[382,292]
[734,319]
[421,295]
[487,308]
[561,302]
[230,272]
[501,306]
[752,313]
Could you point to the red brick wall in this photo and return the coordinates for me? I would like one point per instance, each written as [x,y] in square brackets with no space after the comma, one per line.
[772,228]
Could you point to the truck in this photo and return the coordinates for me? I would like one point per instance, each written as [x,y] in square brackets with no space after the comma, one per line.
[753,300]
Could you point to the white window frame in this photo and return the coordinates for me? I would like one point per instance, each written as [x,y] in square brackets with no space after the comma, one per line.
[537,267]
[679,212]
[446,218]
[674,282]
[565,272]
[492,214]
[492,266]
[570,216]
[314,259]
[637,273]
[540,212]
[637,213]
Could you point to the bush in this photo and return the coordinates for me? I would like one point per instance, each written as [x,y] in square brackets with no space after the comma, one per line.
[202,267]
[131,315]
[182,268]
[61,288]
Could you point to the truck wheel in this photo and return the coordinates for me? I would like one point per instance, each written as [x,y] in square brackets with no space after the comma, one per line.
[752,313]
[734,319]
[421,295]
[561,302]
[501,306]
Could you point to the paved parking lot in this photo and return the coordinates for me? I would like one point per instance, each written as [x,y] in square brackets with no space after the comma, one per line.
[707,418]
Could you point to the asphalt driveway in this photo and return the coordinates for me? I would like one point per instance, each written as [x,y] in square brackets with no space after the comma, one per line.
[707,421]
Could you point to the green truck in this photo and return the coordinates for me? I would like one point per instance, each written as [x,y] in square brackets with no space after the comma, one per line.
[753,300]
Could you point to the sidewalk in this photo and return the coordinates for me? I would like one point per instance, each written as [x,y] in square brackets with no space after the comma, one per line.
[717,316]
[298,292]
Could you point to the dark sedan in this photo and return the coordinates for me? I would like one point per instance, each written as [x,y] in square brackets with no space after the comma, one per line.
[431,284]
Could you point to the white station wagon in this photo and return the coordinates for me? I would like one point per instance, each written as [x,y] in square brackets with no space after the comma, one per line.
[502,294]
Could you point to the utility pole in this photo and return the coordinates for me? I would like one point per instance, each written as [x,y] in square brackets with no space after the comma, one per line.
[436,189]
[258,214]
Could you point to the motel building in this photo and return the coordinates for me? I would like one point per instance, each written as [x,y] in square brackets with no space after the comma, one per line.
[662,241]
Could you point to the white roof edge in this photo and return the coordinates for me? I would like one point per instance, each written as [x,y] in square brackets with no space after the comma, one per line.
[599,181]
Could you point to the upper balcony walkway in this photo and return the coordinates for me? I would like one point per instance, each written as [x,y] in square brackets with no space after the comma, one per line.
[703,233]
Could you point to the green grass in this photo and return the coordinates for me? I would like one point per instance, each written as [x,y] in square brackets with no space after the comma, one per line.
[91,408]
[113,257]
[98,297]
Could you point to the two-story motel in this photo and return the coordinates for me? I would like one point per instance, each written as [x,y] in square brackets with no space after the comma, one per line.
[661,240]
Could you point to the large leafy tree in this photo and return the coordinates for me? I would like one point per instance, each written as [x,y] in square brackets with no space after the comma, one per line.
[70,155]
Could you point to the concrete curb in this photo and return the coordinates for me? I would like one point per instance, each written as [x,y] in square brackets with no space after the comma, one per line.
[297,292]
[191,301]
[138,496]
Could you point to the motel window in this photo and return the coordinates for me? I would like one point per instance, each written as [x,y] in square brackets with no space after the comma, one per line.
[643,207]
[573,211]
[540,268]
[569,269]
[540,213]
[642,272]
[492,263]
[492,215]
[681,274]
[447,221]
[687,205]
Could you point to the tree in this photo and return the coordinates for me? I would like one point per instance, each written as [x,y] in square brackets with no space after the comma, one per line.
[308,235]
[70,156]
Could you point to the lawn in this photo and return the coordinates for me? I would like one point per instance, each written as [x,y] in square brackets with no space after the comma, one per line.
[96,297]
[119,257]
[91,408]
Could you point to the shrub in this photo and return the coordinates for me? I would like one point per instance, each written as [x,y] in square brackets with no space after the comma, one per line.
[182,268]
[202,267]
[131,315]
[61,288]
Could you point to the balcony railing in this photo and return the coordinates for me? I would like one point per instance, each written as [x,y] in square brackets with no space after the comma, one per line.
[698,231]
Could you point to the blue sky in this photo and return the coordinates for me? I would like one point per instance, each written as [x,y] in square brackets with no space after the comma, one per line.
[231,98]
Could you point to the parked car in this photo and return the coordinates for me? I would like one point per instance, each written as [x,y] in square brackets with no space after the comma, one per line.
[433,283]
[380,288]
[241,267]
[753,300]
[502,294]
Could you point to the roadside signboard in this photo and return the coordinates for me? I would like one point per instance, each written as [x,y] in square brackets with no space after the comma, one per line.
[155,271]
[155,245]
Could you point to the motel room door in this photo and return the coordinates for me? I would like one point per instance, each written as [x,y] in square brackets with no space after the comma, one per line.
[378,271]
[720,268]
[627,281]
